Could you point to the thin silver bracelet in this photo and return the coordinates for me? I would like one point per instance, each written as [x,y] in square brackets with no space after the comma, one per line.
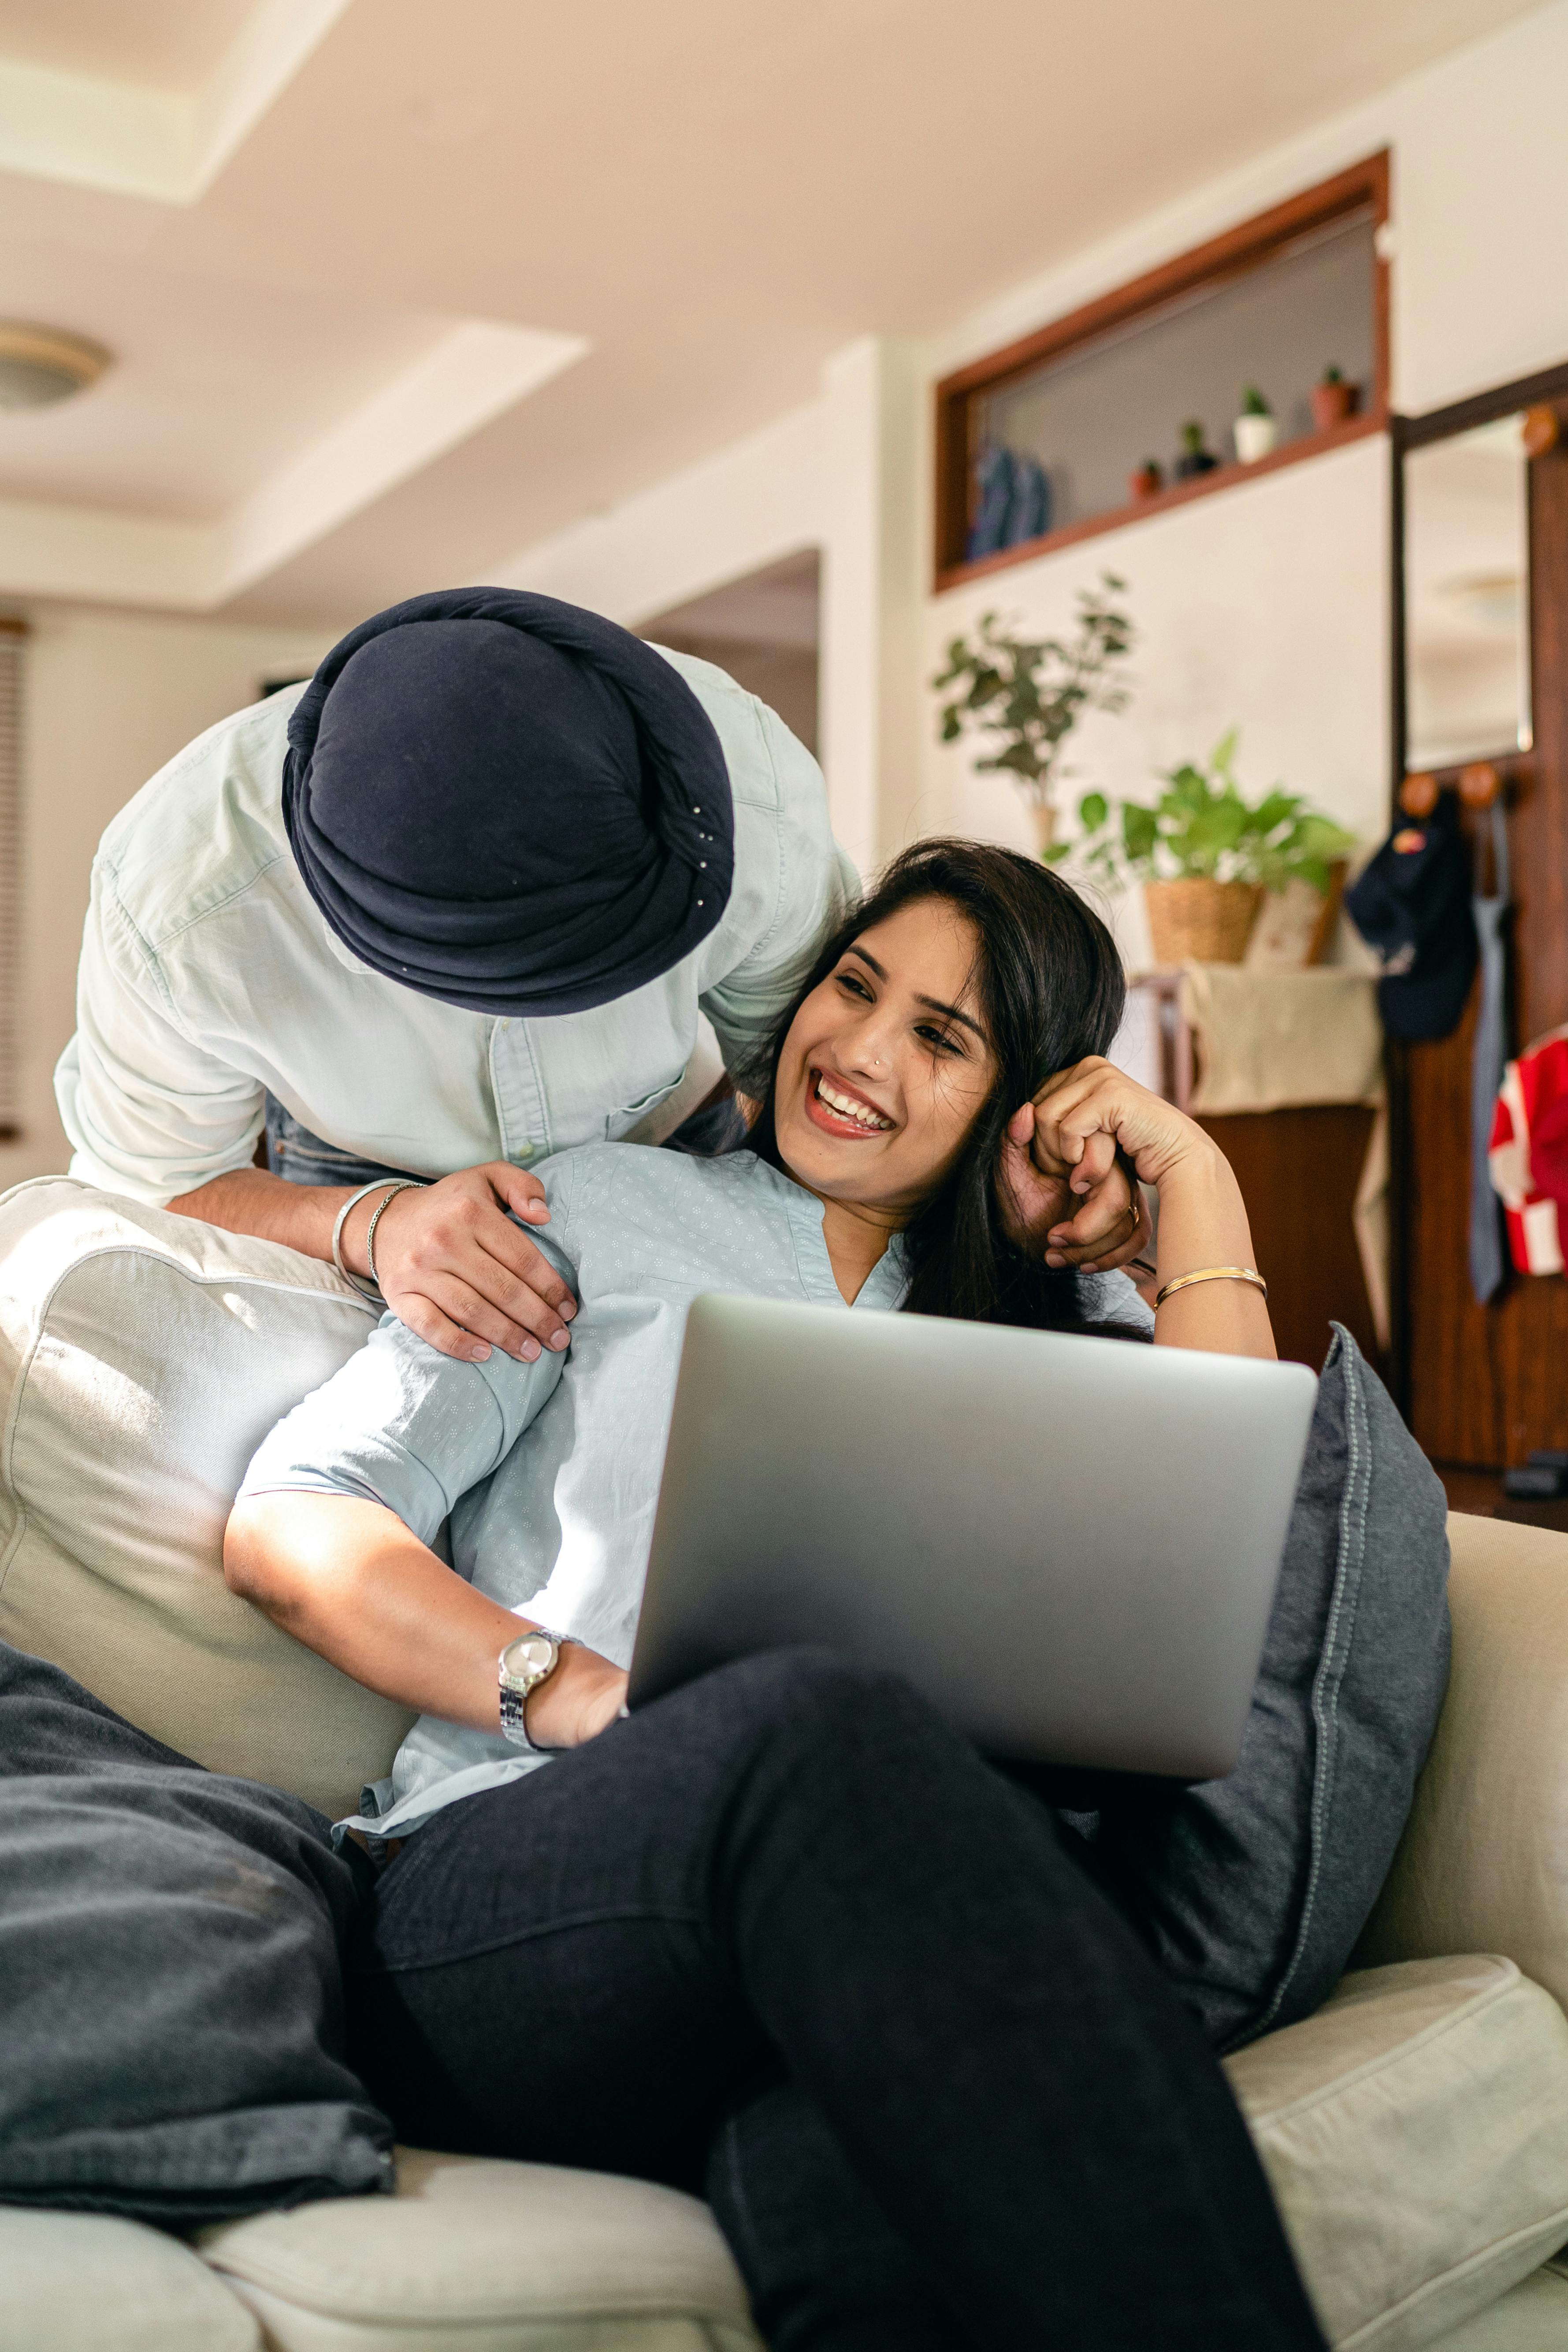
[406,1184]
[347,1271]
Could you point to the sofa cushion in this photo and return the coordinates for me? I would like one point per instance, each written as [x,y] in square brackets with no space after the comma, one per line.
[142,1359]
[1253,1889]
[1416,2133]
[85,2283]
[1483,1865]
[492,2257]
[1530,2317]
[171,2002]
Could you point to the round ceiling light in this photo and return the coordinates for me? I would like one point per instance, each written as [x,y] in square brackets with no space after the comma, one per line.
[39,365]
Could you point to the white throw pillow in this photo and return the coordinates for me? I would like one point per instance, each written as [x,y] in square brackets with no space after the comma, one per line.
[1416,2134]
[142,1359]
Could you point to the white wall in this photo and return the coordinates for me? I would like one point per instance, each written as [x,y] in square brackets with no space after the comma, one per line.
[744,507]
[1480,194]
[1266,605]
[109,698]
[1264,608]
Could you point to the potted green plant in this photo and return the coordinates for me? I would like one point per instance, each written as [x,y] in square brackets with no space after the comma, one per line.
[1334,400]
[1030,693]
[1197,458]
[1254,430]
[1147,480]
[1205,855]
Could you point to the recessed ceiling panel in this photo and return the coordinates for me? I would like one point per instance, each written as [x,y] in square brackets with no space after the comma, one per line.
[158,43]
[213,384]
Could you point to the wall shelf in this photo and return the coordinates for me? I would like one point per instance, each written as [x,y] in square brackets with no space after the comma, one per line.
[1269,301]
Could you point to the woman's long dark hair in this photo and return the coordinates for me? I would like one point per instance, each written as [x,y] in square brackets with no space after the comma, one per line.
[1051,990]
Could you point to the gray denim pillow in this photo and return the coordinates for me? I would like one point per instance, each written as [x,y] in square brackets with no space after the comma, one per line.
[171,2003]
[1253,1890]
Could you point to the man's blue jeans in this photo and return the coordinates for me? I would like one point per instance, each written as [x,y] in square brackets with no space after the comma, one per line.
[302,1158]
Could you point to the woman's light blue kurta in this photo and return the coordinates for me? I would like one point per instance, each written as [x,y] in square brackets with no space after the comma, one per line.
[549,1472]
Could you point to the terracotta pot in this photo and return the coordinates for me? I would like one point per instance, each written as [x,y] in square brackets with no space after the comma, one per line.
[1333,402]
[1200,920]
[1145,482]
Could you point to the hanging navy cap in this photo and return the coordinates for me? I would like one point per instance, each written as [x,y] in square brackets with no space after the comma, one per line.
[1412,907]
[508,802]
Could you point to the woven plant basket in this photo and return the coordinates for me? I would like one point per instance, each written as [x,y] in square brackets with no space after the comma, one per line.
[1200,920]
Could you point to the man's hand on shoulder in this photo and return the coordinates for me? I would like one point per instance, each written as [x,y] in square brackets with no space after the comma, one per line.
[454,1267]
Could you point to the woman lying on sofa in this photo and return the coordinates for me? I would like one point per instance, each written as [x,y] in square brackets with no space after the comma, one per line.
[784,1936]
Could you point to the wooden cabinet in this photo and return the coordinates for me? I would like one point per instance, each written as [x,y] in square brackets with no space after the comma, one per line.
[1298,1171]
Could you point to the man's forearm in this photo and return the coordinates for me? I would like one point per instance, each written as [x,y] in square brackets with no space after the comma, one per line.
[253,1200]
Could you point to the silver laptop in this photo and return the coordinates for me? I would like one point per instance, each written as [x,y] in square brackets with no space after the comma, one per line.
[1069,1545]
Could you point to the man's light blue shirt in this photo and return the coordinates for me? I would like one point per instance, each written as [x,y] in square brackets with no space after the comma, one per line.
[549,1472]
[209,978]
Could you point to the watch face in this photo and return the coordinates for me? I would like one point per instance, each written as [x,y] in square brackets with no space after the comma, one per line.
[530,1654]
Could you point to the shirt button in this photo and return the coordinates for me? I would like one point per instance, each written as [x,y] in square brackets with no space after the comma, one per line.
[523,1151]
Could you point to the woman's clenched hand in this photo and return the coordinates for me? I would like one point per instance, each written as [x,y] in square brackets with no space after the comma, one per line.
[1071,1134]
[1088,1214]
[1083,1117]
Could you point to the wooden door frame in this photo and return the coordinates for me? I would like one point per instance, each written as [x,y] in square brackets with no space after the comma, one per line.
[1546,385]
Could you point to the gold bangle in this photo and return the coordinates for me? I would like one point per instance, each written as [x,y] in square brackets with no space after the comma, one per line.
[1212,1274]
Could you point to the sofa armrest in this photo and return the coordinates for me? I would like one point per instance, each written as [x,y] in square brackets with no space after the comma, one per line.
[1483,1863]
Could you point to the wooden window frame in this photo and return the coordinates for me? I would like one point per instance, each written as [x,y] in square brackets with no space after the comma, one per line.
[1223,259]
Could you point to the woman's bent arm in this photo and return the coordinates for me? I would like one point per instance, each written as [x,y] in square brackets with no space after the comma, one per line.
[1088,1112]
[1202,1223]
[348,1580]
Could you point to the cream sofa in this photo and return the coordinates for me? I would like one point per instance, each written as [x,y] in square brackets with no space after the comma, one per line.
[1415,2129]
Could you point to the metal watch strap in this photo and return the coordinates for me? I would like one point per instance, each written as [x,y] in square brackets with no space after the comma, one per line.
[512,1727]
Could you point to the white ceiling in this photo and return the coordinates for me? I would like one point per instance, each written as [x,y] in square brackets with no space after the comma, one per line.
[284,216]
[167,43]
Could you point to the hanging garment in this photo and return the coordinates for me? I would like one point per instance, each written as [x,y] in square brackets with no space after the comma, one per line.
[1486,1055]
[1030,514]
[1528,1155]
[1411,906]
[996,477]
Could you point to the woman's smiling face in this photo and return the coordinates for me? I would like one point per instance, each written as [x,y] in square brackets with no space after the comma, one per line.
[887,1063]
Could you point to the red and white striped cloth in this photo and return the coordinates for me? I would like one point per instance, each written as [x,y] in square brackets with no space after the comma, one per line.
[1529,1154]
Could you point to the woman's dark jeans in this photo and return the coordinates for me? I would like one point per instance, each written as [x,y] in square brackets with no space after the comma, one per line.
[785,1937]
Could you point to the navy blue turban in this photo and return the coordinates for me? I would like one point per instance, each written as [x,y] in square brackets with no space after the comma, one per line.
[508,803]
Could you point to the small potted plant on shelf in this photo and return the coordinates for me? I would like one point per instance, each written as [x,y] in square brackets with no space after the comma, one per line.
[1196,459]
[1146,479]
[1334,400]
[1254,430]
[1031,693]
[1204,855]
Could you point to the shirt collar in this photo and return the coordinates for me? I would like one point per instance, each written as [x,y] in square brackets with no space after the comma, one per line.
[884,1286]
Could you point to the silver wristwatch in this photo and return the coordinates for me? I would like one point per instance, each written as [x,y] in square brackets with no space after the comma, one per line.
[524,1663]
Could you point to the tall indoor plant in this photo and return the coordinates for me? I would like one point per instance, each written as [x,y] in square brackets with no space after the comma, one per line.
[1031,693]
[1204,855]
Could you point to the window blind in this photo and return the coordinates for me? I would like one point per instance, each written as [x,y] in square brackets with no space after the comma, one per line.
[13,639]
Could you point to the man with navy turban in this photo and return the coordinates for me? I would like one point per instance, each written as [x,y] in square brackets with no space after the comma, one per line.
[502,879]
